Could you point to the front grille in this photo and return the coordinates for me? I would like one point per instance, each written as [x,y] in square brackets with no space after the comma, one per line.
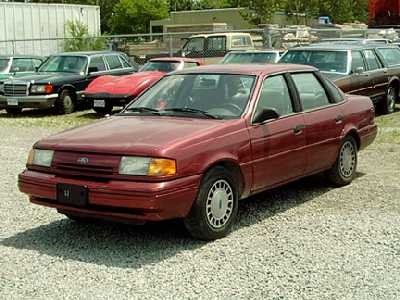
[84,169]
[15,89]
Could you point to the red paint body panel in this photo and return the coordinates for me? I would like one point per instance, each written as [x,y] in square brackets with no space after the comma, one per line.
[384,12]
[267,155]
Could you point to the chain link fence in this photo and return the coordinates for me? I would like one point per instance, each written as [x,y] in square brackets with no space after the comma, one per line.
[141,47]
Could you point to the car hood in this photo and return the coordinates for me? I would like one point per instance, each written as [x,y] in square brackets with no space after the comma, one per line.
[131,84]
[134,135]
[47,77]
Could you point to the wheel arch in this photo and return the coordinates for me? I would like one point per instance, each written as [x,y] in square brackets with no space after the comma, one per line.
[352,131]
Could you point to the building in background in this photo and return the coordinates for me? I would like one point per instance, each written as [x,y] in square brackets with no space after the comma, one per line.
[30,21]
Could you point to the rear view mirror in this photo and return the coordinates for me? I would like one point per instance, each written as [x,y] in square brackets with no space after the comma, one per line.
[265,115]
[359,70]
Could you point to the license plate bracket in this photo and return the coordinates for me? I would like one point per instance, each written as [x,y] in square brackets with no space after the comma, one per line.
[70,194]
[12,101]
[99,103]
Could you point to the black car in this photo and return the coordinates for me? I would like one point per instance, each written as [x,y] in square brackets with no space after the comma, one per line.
[61,79]
[371,70]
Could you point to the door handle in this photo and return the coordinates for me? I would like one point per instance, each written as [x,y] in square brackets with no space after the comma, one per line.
[339,119]
[299,129]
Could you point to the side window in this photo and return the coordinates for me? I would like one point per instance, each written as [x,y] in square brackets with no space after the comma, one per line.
[188,65]
[241,41]
[36,62]
[114,62]
[390,55]
[97,62]
[372,60]
[357,61]
[217,43]
[125,63]
[194,45]
[22,65]
[275,94]
[311,92]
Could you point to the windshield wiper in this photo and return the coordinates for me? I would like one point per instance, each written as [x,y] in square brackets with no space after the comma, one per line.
[191,111]
[143,109]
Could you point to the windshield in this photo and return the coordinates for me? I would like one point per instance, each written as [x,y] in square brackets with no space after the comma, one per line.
[325,61]
[223,96]
[163,66]
[67,64]
[243,58]
[4,64]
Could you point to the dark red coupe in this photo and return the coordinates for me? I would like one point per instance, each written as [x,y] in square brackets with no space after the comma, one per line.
[105,92]
[197,142]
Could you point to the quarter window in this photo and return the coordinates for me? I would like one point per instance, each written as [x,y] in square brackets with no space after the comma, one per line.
[390,55]
[372,60]
[275,94]
[97,62]
[357,61]
[114,62]
[312,94]
[217,43]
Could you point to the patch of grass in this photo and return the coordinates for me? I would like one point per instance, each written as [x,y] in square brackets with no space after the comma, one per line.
[47,119]
[389,128]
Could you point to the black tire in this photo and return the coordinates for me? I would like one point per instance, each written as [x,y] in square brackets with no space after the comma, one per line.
[344,170]
[14,110]
[388,103]
[201,223]
[104,110]
[65,104]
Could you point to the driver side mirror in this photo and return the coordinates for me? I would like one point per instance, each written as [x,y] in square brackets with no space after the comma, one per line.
[359,70]
[93,70]
[265,115]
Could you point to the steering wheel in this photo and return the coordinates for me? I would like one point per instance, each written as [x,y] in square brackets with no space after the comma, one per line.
[232,107]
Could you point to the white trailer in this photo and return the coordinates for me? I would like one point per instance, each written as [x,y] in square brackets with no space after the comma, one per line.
[39,28]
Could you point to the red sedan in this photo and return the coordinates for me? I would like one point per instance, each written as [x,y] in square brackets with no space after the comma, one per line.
[198,141]
[105,92]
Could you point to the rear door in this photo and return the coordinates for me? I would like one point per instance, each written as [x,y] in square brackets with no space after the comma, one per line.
[323,119]
[277,145]
[378,74]
[360,80]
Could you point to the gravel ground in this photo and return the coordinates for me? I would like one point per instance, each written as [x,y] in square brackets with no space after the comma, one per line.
[304,240]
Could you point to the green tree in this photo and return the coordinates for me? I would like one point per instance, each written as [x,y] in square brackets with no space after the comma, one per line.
[80,39]
[135,16]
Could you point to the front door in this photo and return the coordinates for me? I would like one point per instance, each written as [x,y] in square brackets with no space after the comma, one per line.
[277,145]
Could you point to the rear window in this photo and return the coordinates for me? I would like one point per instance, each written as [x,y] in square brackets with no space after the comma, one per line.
[114,62]
[243,58]
[325,61]
[391,56]
[163,66]
[241,41]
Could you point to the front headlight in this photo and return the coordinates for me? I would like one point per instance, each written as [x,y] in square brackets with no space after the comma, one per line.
[42,89]
[146,166]
[40,157]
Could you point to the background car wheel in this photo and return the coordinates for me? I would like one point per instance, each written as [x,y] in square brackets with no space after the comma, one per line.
[389,102]
[215,207]
[14,110]
[65,103]
[104,110]
[344,169]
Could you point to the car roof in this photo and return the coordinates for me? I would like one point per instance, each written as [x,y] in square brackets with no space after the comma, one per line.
[21,56]
[220,34]
[342,46]
[86,53]
[175,59]
[255,51]
[246,69]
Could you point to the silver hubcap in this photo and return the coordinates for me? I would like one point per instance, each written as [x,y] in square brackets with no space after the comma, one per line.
[347,159]
[219,205]
[67,101]
[391,98]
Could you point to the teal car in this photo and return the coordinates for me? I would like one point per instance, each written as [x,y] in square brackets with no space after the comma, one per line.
[17,66]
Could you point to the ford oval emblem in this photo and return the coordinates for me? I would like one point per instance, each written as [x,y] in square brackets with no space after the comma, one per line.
[83,160]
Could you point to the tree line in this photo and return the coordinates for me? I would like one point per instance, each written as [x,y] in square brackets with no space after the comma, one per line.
[133,16]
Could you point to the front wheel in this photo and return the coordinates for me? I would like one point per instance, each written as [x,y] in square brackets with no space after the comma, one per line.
[344,169]
[215,207]
[65,104]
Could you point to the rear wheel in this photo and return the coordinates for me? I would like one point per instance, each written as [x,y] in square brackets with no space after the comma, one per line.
[14,110]
[388,103]
[104,110]
[65,104]
[344,169]
[216,206]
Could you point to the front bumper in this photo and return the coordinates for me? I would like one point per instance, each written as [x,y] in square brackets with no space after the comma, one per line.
[116,199]
[32,101]
[110,99]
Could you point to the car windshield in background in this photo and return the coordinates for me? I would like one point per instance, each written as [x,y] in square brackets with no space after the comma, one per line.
[4,64]
[222,96]
[243,58]
[66,64]
[160,66]
[325,61]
